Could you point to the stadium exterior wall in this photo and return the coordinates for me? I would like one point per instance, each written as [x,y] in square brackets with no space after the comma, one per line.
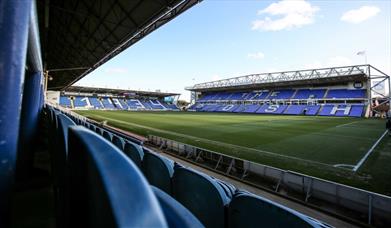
[367,207]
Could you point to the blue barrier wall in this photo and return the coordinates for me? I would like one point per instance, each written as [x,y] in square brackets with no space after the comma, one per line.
[29,122]
[14,18]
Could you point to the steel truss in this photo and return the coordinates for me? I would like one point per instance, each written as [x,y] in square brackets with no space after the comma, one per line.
[369,74]
[286,76]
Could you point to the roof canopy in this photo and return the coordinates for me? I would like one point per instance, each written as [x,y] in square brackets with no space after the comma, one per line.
[82,89]
[77,36]
[332,75]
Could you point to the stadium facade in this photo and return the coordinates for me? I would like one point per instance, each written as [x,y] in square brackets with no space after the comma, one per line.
[113,99]
[354,91]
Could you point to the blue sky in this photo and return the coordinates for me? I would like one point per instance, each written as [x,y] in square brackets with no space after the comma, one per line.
[221,39]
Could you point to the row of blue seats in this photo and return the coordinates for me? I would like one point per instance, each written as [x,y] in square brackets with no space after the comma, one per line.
[103,180]
[353,110]
[115,103]
[285,94]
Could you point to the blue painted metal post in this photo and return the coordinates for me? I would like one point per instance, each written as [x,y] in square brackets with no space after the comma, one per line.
[14,24]
[28,124]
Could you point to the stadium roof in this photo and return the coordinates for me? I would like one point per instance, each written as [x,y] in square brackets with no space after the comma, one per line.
[77,36]
[81,89]
[288,78]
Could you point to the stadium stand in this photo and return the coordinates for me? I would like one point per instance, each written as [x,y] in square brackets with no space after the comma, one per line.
[178,197]
[286,102]
[115,103]
[96,183]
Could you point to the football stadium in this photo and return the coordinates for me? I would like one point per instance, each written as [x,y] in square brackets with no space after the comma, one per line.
[307,147]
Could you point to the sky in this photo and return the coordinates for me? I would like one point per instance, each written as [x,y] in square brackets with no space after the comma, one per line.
[218,39]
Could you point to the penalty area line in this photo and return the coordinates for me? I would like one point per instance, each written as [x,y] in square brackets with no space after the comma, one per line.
[363,159]
[342,125]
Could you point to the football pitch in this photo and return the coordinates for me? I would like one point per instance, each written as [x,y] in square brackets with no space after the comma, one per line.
[326,147]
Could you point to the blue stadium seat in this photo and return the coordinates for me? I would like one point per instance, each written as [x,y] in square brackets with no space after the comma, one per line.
[134,152]
[248,210]
[95,102]
[118,142]
[107,103]
[98,197]
[92,127]
[65,102]
[98,130]
[158,170]
[61,152]
[107,135]
[202,195]
[174,212]
[60,169]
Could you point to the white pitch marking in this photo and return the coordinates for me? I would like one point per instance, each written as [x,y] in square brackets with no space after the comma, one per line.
[363,159]
[214,142]
[341,125]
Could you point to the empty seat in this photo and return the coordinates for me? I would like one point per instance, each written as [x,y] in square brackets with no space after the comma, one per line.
[107,135]
[92,127]
[60,169]
[174,212]
[118,142]
[106,187]
[61,148]
[248,210]
[134,152]
[98,130]
[158,170]
[202,195]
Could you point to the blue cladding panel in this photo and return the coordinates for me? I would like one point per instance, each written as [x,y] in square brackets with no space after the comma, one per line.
[14,17]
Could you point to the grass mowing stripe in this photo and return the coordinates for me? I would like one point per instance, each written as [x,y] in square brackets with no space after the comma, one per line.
[215,142]
[309,138]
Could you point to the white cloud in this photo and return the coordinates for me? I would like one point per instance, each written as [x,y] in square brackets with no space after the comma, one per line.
[257,55]
[290,14]
[117,70]
[356,16]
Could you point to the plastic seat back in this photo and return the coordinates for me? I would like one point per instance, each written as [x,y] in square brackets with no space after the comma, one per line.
[202,195]
[174,212]
[107,135]
[248,210]
[158,170]
[134,152]
[118,142]
[61,152]
[106,187]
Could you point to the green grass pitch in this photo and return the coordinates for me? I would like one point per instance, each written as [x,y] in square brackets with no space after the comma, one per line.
[306,144]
